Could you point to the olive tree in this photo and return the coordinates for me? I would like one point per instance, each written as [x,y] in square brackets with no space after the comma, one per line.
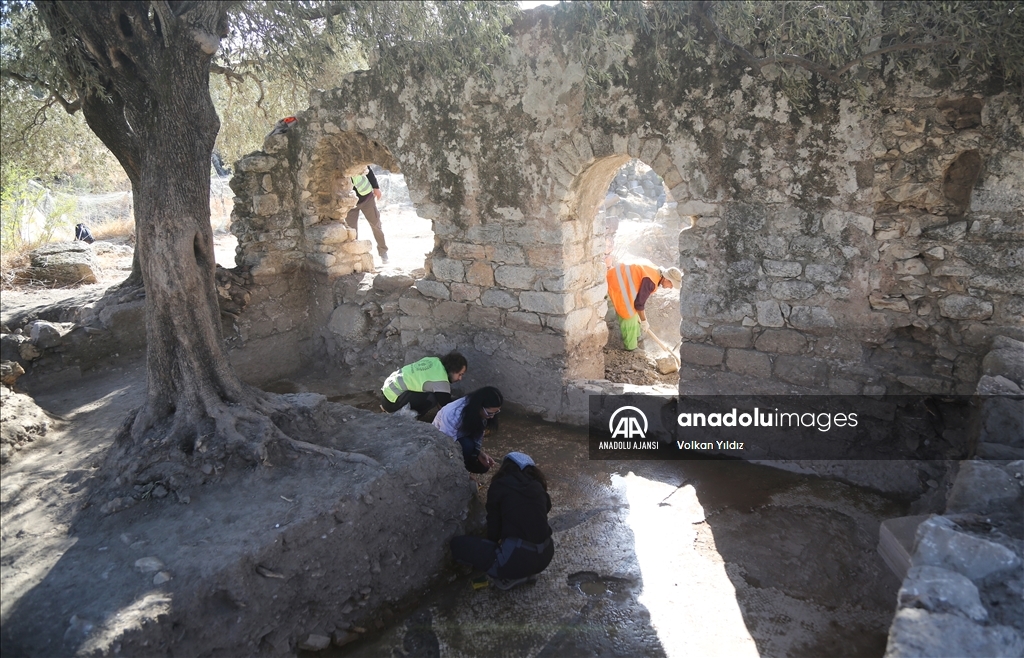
[139,72]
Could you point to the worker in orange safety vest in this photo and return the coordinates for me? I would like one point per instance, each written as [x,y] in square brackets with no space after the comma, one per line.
[629,286]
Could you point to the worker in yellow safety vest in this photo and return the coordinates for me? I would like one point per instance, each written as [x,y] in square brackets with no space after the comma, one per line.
[368,192]
[425,386]
[629,286]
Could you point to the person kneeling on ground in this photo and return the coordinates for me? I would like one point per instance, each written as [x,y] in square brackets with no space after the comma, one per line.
[425,385]
[465,421]
[518,543]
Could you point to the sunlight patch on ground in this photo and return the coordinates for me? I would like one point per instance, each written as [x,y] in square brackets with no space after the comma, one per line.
[690,598]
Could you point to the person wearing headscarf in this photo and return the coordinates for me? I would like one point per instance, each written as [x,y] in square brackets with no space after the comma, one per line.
[518,544]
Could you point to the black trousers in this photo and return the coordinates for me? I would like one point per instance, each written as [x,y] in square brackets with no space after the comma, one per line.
[421,403]
[512,558]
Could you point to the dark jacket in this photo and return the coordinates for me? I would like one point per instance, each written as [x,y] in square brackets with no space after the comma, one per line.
[517,506]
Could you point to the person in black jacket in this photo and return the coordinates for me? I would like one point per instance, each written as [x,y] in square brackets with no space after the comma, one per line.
[518,543]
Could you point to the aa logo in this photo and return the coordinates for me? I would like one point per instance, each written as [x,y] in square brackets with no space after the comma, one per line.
[628,423]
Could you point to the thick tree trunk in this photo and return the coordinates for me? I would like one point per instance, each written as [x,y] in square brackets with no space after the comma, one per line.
[148,67]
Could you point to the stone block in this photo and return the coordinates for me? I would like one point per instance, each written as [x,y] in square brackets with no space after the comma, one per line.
[551,303]
[769,314]
[348,321]
[542,345]
[327,233]
[822,273]
[748,362]
[464,292]
[544,256]
[498,298]
[324,260]
[701,355]
[480,274]
[813,319]
[315,642]
[915,633]
[997,385]
[801,370]
[464,251]
[448,269]
[507,254]
[781,341]
[789,290]
[965,307]
[63,263]
[835,221]
[256,164]
[940,544]
[417,323]
[1003,421]
[515,277]
[594,295]
[910,267]
[484,318]
[941,590]
[388,283]
[883,303]
[265,204]
[950,232]
[45,335]
[732,336]
[415,306]
[781,268]
[982,488]
[520,321]
[431,288]
[1005,362]
[449,313]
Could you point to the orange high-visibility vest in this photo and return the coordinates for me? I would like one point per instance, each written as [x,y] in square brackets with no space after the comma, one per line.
[624,283]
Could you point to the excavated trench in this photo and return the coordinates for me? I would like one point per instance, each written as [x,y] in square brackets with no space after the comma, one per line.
[667,558]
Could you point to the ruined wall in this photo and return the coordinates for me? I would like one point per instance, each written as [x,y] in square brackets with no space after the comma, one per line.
[853,247]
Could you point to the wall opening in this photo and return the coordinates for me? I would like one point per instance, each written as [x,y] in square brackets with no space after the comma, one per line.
[641,224]
[410,237]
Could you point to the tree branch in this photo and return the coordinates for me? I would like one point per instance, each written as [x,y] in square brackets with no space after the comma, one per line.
[891,49]
[69,106]
[803,62]
[228,73]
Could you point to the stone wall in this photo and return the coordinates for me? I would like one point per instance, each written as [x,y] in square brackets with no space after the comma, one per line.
[963,592]
[850,247]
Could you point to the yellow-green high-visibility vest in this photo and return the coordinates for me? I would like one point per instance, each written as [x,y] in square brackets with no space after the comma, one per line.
[425,376]
[362,185]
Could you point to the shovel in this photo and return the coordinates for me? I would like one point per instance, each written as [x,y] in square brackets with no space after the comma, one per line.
[665,347]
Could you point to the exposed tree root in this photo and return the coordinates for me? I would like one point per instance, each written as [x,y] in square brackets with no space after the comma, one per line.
[184,448]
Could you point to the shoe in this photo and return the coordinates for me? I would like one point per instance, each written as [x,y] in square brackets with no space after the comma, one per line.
[508,583]
[384,258]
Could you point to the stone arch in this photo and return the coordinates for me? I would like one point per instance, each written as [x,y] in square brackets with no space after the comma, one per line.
[331,246]
[668,156]
[342,154]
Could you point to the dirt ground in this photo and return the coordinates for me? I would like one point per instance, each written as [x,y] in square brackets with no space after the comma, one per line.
[652,559]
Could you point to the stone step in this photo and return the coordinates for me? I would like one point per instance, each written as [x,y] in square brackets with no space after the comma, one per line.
[896,542]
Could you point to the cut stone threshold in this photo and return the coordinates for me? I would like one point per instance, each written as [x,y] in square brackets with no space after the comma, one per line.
[259,560]
[896,542]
